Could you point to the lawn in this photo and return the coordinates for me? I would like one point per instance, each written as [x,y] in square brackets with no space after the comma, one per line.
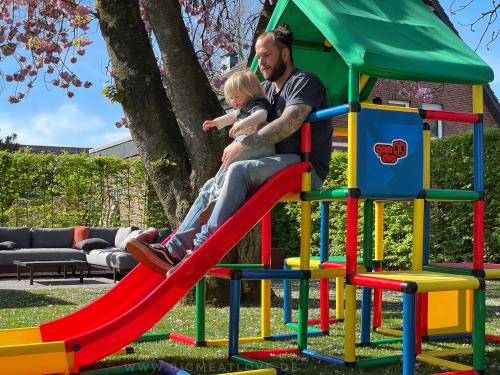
[25,308]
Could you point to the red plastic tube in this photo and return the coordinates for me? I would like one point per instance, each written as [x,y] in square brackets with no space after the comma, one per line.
[377,302]
[306,137]
[324,303]
[424,314]
[352,235]
[376,282]
[315,322]
[450,116]
[182,339]
[478,235]
[418,324]
[262,354]
[492,338]
[266,239]
[467,372]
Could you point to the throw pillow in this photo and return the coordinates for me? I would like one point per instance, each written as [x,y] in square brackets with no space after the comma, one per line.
[133,234]
[148,236]
[121,235]
[8,245]
[81,233]
[92,244]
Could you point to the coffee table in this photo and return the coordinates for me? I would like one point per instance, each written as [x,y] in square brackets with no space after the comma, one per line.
[32,265]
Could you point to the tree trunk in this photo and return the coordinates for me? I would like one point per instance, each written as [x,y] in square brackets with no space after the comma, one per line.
[152,122]
[179,156]
[192,95]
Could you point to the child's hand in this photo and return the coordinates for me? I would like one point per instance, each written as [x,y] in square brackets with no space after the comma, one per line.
[233,131]
[209,124]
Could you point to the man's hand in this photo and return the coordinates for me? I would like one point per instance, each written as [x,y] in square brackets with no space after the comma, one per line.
[209,124]
[231,152]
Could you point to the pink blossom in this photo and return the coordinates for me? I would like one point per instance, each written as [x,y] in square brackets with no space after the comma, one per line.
[70,94]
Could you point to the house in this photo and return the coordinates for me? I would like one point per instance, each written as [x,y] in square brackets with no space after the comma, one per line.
[455,97]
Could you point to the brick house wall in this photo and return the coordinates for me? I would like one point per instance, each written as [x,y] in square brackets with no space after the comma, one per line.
[452,97]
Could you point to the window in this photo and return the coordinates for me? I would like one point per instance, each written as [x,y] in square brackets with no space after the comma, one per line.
[436,125]
[399,103]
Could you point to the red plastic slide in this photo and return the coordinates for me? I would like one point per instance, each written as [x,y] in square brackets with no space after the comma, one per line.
[144,296]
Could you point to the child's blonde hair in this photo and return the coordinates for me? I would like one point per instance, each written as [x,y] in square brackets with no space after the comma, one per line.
[245,82]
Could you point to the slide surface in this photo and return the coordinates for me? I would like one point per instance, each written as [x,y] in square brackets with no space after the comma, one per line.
[140,300]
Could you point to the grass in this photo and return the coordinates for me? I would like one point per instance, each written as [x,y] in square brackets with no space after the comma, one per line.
[25,308]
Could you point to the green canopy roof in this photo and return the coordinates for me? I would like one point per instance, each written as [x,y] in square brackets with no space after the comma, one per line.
[394,39]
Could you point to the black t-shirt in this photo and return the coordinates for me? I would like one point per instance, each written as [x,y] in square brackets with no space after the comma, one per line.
[304,88]
[253,105]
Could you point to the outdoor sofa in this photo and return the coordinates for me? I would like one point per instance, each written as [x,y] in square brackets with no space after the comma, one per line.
[102,248]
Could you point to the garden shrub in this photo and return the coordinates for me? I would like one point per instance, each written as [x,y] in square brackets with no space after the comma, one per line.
[47,190]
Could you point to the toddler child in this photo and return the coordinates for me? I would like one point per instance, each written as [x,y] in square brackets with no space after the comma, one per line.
[251,110]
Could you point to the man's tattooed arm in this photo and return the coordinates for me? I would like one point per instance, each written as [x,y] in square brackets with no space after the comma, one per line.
[288,123]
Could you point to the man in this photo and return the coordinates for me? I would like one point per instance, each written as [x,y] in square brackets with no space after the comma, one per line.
[293,94]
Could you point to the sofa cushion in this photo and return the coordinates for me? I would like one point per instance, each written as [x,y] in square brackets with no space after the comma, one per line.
[21,236]
[133,234]
[107,234]
[81,233]
[8,256]
[92,244]
[51,237]
[111,258]
[8,245]
[121,235]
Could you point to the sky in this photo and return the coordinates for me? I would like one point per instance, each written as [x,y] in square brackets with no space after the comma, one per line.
[48,117]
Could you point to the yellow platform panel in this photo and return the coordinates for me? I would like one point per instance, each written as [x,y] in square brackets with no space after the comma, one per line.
[430,281]
[17,336]
[449,312]
[34,359]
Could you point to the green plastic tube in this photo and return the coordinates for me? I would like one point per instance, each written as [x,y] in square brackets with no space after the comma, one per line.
[200,310]
[451,195]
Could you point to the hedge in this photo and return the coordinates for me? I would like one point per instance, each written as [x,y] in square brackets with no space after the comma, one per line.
[47,190]
[450,222]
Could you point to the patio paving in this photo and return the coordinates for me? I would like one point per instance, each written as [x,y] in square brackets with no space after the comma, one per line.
[49,281]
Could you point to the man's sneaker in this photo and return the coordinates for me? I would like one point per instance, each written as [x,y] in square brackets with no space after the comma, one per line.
[157,258]
[205,214]
[171,270]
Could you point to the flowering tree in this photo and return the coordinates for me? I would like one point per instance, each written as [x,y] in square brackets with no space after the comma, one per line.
[42,38]
[163,54]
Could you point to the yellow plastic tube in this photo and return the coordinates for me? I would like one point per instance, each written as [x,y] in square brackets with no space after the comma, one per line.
[350,324]
[389,331]
[265,323]
[339,298]
[379,230]
[443,363]
[477,99]
[418,234]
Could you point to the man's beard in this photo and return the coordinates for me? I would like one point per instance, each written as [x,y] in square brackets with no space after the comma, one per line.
[277,70]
